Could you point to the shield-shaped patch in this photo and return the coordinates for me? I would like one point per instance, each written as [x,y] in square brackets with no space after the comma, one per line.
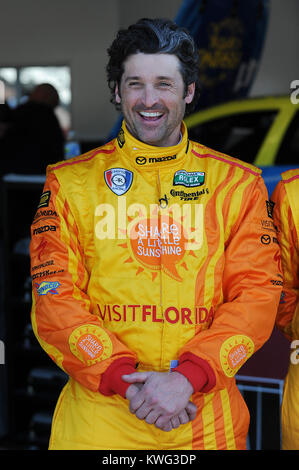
[119,180]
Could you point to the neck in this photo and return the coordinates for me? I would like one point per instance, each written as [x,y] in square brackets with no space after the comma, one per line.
[172,140]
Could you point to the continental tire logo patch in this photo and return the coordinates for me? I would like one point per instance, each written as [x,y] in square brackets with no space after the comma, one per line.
[234,352]
[90,344]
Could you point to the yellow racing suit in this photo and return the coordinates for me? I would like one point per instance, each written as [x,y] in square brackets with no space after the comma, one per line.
[286,217]
[152,258]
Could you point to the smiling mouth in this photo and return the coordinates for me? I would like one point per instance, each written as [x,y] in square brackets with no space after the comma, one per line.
[150,116]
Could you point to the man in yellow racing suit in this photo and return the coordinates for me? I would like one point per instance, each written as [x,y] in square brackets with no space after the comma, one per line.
[155,273]
[286,218]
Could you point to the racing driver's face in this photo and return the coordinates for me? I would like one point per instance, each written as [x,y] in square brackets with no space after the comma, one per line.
[151,94]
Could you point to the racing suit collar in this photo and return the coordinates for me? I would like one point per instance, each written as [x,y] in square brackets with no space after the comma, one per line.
[147,157]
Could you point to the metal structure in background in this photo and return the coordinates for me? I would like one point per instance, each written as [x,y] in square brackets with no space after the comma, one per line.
[260,385]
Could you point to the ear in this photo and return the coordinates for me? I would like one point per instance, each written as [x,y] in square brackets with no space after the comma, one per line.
[117,94]
[190,93]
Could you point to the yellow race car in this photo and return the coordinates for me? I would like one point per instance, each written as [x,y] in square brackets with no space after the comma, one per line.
[263,131]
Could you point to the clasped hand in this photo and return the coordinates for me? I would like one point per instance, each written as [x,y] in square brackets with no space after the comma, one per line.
[160,398]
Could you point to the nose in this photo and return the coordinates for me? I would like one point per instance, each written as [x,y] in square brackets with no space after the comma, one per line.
[150,96]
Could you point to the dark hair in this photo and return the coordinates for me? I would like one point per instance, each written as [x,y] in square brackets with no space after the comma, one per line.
[151,36]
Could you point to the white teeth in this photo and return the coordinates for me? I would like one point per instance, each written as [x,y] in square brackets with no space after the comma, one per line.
[145,114]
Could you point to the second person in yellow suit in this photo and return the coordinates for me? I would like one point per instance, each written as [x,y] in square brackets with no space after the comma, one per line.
[286,218]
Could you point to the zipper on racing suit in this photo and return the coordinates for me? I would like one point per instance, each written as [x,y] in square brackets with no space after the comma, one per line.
[161,204]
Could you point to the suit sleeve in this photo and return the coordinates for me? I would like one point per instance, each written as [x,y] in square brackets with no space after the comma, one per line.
[286,319]
[62,318]
[251,283]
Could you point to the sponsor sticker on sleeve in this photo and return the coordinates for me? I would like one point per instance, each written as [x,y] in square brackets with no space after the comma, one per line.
[44,199]
[234,352]
[47,287]
[90,344]
[270,206]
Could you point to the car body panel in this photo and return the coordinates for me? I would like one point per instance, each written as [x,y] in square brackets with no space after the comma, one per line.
[265,157]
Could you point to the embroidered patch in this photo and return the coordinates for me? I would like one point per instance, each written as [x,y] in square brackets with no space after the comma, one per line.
[47,287]
[189,179]
[270,206]
[119,180]
[90,344]
[121,138]
[234,352]
[44,199]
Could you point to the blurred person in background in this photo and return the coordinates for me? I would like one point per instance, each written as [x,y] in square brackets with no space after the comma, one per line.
[35,138]
[5,123]
[5,119]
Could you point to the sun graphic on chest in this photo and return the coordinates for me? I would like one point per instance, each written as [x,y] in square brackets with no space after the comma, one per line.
[158,242]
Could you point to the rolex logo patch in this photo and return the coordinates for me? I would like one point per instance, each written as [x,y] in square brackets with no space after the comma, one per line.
[189,179]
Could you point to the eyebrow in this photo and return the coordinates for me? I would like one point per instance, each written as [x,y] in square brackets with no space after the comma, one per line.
[160,77]
[132,78]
